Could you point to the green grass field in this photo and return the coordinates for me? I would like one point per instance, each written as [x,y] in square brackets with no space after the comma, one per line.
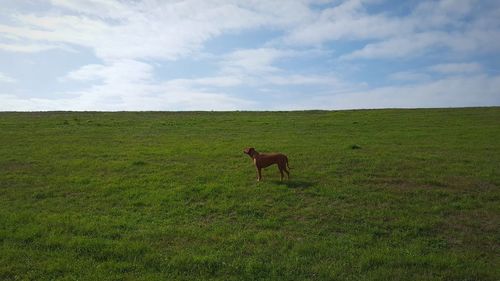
[373,195]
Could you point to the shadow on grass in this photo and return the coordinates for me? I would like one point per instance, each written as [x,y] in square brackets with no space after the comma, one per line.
[295,183]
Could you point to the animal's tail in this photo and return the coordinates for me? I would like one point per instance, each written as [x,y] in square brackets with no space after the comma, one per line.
[286,158]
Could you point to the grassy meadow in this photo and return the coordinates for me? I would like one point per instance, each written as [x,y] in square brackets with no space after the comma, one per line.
[373,195]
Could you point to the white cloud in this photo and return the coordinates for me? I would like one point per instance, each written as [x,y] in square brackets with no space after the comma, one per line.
[254,61]
[98,8]
[409,76]
[431,14]
[56,29]
[211,81]
[119,71]
[432,25]
[163,30]
[130,37]
[456,68]
[471,41]
[131,85]
[31,47]
[150,98]
[477,90]
[398,47]
[4,78]
[258,66]
[298,79]
[169,30]
[348,20]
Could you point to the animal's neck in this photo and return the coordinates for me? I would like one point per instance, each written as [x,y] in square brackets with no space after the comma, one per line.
[255,154]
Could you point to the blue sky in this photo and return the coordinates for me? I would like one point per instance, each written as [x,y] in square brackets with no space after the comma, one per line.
[248,55]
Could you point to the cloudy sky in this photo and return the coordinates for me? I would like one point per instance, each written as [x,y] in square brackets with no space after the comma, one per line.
[248,55]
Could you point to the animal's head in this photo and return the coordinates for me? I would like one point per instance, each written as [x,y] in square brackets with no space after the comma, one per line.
[249,150]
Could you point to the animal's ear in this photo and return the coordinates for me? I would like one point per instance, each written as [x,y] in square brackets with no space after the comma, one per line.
[251,149]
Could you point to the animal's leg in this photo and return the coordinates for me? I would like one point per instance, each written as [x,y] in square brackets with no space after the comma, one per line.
[282,167]
[259,174]
[281,172]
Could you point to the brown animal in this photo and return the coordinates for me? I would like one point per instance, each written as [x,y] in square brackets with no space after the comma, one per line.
[263,160]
